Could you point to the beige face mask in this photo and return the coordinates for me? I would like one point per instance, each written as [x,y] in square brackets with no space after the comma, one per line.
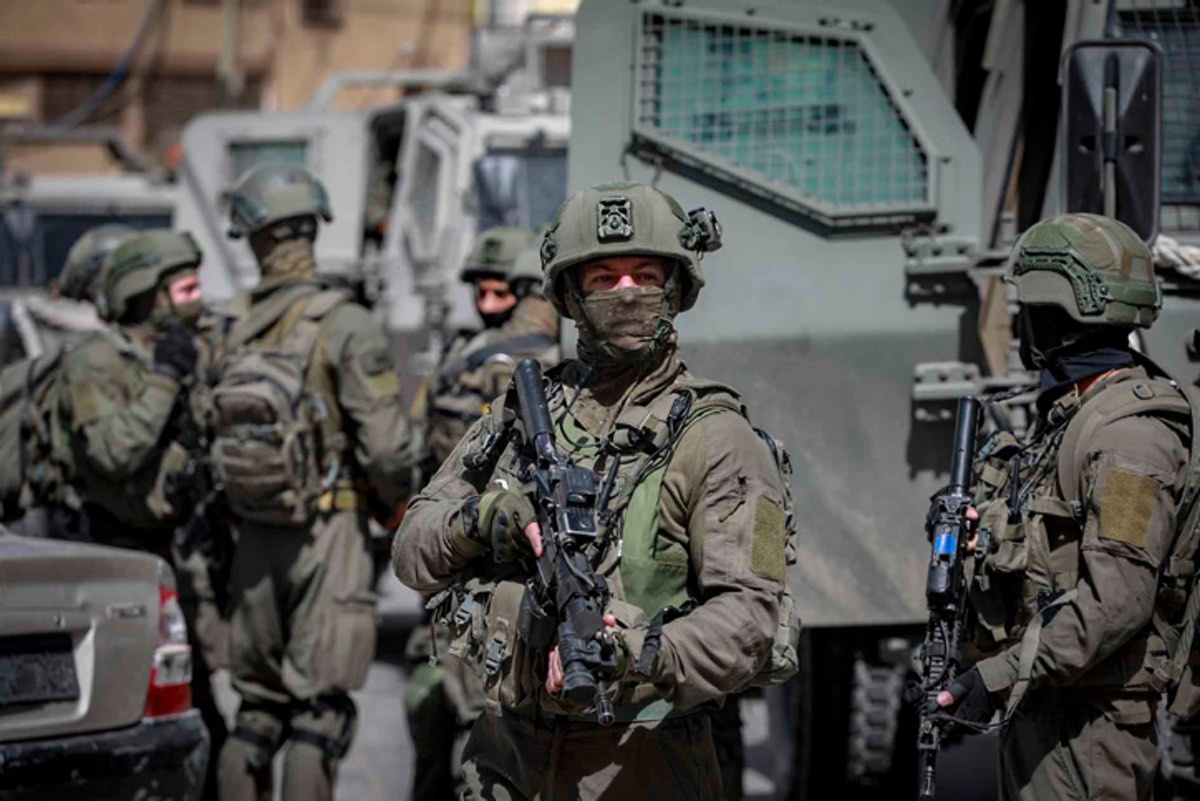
[291,258]
[623,326]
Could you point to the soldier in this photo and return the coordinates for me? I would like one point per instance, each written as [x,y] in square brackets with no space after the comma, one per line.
[696,548]
[444,699]
[125,407]
[1082,516]
[307,422]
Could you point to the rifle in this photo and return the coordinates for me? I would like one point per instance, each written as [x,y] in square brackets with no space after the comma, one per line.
[565,598]
[945,594]
[193,487]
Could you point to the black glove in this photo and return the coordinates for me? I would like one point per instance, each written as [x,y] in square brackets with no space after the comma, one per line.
[972,701]
[503,515]
[175,354]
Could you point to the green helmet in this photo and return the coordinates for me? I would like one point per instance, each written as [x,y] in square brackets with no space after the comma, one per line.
[625,219]
[141,263]
[494,252]
[1094,268]
[272,192]
[82,273]
[525,274]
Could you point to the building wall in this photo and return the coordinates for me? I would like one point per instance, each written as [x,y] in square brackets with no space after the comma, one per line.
[55,53]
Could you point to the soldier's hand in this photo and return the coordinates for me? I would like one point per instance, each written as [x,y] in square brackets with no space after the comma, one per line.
[175,354]
[973,520]
[504,518]
[554,667]
[968,698]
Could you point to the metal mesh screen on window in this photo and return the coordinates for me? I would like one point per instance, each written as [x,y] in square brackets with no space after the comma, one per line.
[1175,27]
[807,112]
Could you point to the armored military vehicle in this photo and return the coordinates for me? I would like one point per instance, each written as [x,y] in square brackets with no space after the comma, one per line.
[871,163]
[40,219]
[409,182]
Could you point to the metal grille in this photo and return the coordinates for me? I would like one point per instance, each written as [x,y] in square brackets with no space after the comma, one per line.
[803,112]
[1176,29]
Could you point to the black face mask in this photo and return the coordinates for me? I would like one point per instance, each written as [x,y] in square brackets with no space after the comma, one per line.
[496,319]
[1066,351]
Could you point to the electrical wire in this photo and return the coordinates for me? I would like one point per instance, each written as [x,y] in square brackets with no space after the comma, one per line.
[117,77]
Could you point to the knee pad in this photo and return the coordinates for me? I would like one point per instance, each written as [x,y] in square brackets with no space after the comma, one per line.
[327,723]
[259,730]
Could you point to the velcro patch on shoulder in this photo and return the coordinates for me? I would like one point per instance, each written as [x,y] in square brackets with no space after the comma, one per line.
[1127,506]
[768,548]
[384,384]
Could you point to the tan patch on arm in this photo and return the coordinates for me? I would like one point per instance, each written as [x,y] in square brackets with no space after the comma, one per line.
[1127,506]
[85,404]
[384,385]
[767,549]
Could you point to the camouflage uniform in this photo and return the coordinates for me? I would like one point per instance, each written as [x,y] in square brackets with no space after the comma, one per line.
[302,624]
[121,417]
[1071,593]
[696,558]
[444,698]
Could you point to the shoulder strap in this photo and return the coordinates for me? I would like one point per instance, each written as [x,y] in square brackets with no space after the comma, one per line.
[271,311]
[1117,402]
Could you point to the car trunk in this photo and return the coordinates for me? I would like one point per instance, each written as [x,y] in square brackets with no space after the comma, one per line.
[78,629]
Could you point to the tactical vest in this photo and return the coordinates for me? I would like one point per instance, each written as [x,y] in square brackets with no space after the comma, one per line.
[278,449]
[1036,554]
[475,371]
[647,572]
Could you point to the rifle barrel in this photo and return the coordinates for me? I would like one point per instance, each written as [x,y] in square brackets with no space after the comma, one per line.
[964,442]
[534,410]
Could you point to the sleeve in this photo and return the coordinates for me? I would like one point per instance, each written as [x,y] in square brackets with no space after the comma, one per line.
[721,495]
[368,392]
[116,427]
[434,541]
[1131,484]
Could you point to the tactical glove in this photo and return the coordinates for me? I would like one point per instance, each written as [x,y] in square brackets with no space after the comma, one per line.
[503,516]
[972,701]
[175,354]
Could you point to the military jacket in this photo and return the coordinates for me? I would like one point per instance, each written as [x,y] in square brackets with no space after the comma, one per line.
[477,367]
[113,416]
[1068,592]
[700,530]
[352,369]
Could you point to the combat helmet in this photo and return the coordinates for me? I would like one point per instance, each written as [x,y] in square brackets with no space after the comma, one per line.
[626,219]
[525,274]
[1094,268]
[140,264]
[82,273]
[494,252]
[270,193]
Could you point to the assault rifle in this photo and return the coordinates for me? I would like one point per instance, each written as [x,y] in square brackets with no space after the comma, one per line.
[194,488]
[566,598]
[945,594]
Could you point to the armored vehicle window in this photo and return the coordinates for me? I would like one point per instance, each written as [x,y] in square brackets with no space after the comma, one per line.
[521,189]
[1177,32]
[427,188]
[805,115]
[53,234]
[245,155]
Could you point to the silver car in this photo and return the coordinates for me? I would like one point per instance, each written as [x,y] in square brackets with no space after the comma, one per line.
[95,676]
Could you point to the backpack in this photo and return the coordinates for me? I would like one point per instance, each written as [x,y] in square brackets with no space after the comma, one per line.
[30,475]
[277,446]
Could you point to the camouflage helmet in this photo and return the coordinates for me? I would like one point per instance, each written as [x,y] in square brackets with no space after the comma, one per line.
[525,274]
[273,192]
[141,262]
[494,252]
[82,273]
[1094,268]
[621,219]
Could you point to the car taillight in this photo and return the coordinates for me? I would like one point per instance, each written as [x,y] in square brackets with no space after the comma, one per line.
[171,677]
